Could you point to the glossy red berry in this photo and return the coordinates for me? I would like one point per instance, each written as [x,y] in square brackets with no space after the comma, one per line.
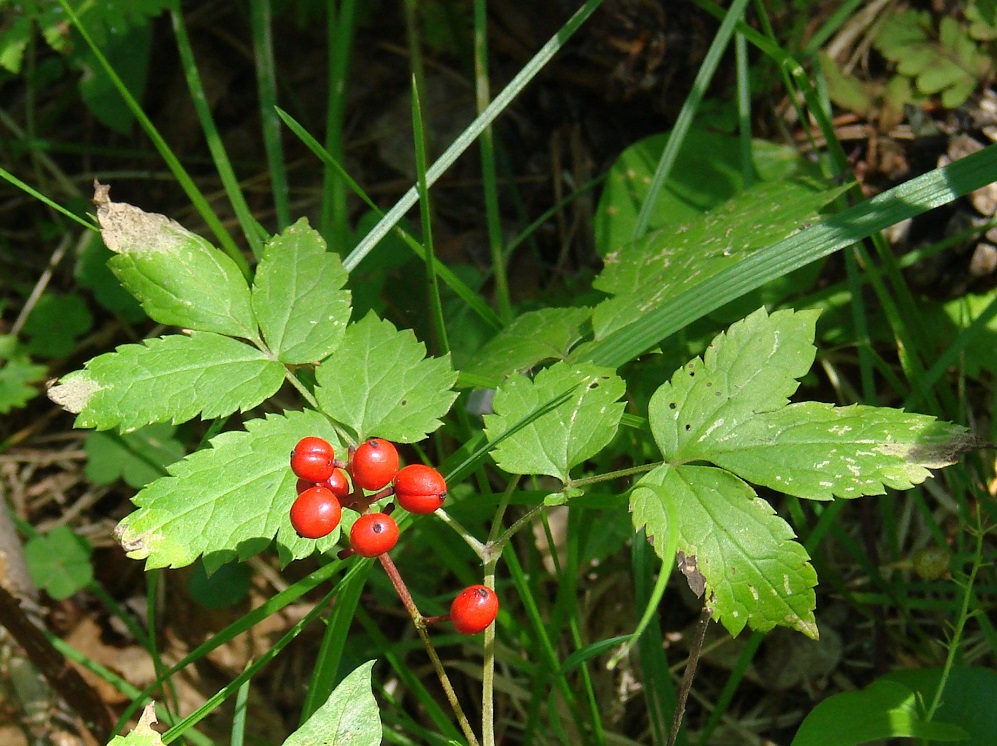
[474,609]
[338,484]
[373,534]
[420,488]
[374,464]
[312,459]
[316,513]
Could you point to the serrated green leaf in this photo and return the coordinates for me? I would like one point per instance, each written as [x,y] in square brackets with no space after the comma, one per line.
[819,451]
[169,379]
[228,501]
[751,368]
[348,718]
[137,457]
[534,337]
[59,562]
[380,382]
[730,408]
[17,373]
[179,277]
[644,274]
[755,573]
[298,296]
[564,437]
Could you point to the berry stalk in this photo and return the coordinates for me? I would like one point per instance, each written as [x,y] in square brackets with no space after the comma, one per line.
[420,627]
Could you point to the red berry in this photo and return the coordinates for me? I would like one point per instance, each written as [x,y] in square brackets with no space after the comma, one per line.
[312,459]
[316,513]
[474,609]
[374,464]
[338,484]
[420,489]
[373,534]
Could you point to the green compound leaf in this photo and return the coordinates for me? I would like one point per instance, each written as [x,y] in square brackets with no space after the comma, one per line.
[534,337]
[563,437]
[819,451]
[59,562]
[643,274]
[138,457]
[169,379]
[380,382]
[731,408]
[945,61]
[348,718]
[229,500]
[298,296]
[755,572]
[180,278]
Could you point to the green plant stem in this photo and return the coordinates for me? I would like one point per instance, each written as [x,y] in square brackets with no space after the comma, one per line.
[420,627]
[211,135]
[466,535]
[960,624]
[488,665]
[610,475]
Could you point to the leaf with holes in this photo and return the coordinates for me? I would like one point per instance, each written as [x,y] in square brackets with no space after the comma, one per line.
[755,572]
[533,437]
[731,409]
[642,275]
[380,382]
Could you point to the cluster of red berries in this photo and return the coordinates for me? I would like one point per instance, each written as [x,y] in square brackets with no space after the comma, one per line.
[373,467]
[324,490]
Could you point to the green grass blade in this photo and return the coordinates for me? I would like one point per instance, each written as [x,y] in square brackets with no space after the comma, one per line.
[458,286]
[215,145]
[186,183]
[233,687]
[330,654]
[333,218]
[426,213]
[260,17]
[933,189]
[488,171]
[474,129]
[684,120]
